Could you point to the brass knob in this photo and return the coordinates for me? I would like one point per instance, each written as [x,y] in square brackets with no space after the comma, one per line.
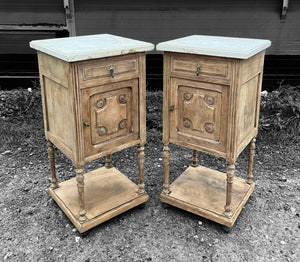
[86,123]
[198,70]
[112,71]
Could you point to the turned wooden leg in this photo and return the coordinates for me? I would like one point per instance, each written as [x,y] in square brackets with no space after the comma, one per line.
[194,159]
[52,165]
[80,186]
[250,161]
[166,186]
[141,160]
[108,163]
[230,176]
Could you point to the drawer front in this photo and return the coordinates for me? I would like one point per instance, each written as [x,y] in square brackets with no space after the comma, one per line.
[107,70]
[200,66]
[110,116]
[199,114]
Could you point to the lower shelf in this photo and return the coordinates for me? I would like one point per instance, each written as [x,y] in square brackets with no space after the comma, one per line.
[107,192]
[202,191]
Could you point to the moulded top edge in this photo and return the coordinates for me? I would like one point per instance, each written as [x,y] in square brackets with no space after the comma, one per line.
[79,48]
[233,47]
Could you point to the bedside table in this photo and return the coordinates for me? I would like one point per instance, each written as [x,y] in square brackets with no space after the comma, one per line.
[93,94]
[211,102]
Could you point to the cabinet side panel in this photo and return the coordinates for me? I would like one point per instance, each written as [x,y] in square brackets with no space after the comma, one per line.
[252,67]
[57,103]
[246,115]
[249,100]
[54,68]
[59,115]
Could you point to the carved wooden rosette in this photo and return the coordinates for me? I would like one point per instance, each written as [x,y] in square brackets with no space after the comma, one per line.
[230,176]
[80,186]
[52,165]
[250,161]
[166,185]
[141,159]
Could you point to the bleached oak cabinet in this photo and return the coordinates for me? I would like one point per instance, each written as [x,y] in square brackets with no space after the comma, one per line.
[93,93]
[211,102]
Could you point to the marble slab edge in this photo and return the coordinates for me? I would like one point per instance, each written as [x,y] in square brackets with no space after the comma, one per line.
[227,51]
[51,47]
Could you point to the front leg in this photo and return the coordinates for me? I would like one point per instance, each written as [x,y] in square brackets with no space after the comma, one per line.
[108,163]
[51,156]
[141,160]
[194,159]
[230,175]
[250,161]
[166,186]
[80,186]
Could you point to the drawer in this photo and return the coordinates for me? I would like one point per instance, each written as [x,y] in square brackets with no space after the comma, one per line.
[200,66]
[107,70]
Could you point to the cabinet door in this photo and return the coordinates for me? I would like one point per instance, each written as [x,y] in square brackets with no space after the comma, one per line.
[110,116]
[199,115]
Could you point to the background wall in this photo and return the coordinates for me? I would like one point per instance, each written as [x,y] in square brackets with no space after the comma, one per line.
[153,21]
[156,21]
[19,15]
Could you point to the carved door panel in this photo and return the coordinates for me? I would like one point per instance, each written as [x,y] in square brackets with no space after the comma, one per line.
[110,115]
[200,114]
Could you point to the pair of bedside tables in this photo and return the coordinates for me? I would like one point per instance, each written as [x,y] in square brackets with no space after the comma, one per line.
[94,101]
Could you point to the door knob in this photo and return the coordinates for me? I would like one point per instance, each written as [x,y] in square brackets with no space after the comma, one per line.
[86,123]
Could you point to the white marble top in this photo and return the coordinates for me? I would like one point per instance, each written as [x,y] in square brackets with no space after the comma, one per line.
[78,48]
[233,47]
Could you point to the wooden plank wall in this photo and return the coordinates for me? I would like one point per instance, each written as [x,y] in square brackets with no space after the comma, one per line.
[28,13]
[17,42]
[156,21]
[33,12]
